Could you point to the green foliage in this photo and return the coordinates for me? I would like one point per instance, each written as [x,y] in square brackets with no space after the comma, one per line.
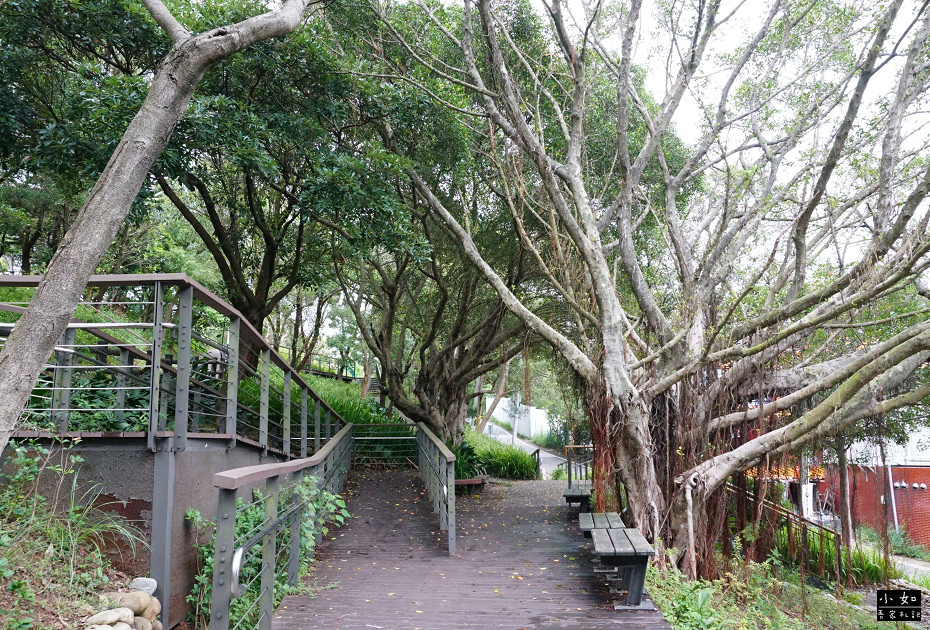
[468,464]
[344,398]
[501,460]
[59,539]
[899,541]
[862,565]
[559,473]
[749,596]
[320,507]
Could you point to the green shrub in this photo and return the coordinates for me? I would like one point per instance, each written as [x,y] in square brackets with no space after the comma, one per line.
[501,460]
[467,463]
[560,473]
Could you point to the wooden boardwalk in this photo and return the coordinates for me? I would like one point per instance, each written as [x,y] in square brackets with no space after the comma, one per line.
[522,563]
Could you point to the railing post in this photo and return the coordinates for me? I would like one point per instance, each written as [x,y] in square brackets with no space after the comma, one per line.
[286,414]
[450,519]
[232,380]
[568,465]
[61,392]
[443,474]
[155,377]
[265,368]
[316,426]
[329,434]
[122,383]
[182,384]
[293,555]
[266,596]
[303,422]
[222,560]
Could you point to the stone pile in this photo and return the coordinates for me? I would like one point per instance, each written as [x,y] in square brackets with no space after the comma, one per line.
[136,609]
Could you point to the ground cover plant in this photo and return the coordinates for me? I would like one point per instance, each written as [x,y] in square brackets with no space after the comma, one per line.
[751,596]
[501,460]
[53,546]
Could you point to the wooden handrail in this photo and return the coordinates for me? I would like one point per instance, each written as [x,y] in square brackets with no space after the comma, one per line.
[443,449]
[239,477]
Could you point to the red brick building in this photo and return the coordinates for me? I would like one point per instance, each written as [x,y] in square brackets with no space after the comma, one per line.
[869,491]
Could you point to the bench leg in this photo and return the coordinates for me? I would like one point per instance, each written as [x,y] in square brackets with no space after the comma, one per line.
[636,581]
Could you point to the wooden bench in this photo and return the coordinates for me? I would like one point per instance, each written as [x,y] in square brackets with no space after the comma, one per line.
[579,495]
[588,521]
[624,547]
[467,486]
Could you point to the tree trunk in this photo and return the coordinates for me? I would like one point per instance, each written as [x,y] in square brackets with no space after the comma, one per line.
[845,511]
[40,328]
[484,416]
[366,379]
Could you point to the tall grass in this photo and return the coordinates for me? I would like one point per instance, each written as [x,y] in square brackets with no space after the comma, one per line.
[501,460]
[345,399]
[862,565]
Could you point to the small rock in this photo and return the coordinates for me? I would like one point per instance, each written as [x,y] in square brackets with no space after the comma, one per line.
[144,584]
[152,611]
[141,623]
[156,625]
[121,626]
[136,601]
[111,617]
[98,627]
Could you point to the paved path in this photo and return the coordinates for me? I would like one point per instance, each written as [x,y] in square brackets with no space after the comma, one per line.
[522,563]
[547,461]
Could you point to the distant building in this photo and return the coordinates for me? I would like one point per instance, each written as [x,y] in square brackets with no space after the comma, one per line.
[903,482]
[528,420]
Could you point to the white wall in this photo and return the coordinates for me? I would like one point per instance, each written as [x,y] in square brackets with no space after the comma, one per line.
[531,424]
[915,453]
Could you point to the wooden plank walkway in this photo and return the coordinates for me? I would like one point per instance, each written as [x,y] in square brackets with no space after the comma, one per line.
[522,564]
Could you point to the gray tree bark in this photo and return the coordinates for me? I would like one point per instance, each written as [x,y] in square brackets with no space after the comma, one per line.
[39,329]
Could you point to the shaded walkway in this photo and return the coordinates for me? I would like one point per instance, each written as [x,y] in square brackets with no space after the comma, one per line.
[521,564]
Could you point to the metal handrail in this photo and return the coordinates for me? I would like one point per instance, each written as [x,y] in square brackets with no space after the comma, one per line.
[329,466]
[437,470]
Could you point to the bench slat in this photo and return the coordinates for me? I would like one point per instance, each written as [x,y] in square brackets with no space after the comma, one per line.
[586,521]
[600,521]
[639,542]
[622,544]
[603,545]
[614,520]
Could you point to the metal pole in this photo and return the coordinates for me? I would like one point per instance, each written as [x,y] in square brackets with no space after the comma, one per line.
[182,384]
[450,493]
[303,422]
[155,377]
[293,555]
[162,522]
[232,380]
[286,413]
[121,383]
[266,596]
[316,427]
[61,394]
[222,559]
[265,367]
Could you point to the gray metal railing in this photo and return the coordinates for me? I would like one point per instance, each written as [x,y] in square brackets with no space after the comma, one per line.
[248,564]
[437,470]
[168,358]
[579,458]
[386,445]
